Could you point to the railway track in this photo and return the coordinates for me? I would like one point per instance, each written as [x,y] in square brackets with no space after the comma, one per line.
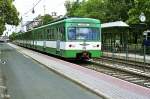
[136,64]
[128,72]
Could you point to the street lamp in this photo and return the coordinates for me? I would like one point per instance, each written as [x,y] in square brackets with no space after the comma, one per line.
[142,18]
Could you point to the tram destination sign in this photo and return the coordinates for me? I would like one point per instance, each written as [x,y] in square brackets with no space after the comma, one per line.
[83,24]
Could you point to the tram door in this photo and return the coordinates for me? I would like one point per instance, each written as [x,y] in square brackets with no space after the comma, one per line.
[58,41]
[58,45]
[44,36]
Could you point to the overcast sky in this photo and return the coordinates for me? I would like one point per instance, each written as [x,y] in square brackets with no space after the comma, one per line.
[24,6]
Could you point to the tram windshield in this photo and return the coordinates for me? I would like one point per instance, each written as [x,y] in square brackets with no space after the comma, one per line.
[84,33]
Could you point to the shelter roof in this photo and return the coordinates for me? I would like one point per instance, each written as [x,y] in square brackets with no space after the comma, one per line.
[114,24]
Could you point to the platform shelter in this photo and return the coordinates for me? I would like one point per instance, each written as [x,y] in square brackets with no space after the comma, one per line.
[115,36]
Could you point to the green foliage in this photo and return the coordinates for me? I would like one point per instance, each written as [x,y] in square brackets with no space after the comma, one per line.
[12,36]
[134,13]
[105,10]
[8,14]
[43,20]
[71,7]
[46,19]
[92,9]
[117,10]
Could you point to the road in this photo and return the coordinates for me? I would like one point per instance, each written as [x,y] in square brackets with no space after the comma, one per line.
[27,79]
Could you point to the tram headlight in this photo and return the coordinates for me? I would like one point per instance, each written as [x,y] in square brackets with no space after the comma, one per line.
[70,45]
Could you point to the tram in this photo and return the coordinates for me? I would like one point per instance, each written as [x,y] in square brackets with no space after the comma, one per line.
[68,37]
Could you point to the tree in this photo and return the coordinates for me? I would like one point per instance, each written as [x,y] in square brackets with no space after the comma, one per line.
[71,8]
[43,20]
[12,36]
[139,7]
[90,8]
[105,10]
[8,14]
[46,19]
[116,10]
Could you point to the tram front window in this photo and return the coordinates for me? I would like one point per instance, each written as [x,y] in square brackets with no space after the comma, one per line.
[83,33]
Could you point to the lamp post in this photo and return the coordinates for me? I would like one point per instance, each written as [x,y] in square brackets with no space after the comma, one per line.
[142,18]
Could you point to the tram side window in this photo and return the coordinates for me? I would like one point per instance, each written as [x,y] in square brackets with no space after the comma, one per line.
[32,35]
[50,34]
[39,36]
[47,32]
[62,31]
[59,34]
[42,35]
[55,34]
[95,35]
[35,35]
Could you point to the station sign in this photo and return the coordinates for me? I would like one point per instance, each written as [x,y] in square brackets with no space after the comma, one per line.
[146,42]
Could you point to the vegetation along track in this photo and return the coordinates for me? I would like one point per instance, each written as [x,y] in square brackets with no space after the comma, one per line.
[127,72]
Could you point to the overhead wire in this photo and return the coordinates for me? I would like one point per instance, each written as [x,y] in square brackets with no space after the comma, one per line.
[32,7]
[38,3]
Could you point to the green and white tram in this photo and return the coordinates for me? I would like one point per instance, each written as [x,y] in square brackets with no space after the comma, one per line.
[68,38]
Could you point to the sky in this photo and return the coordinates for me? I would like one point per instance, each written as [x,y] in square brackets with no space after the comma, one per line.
[24,8]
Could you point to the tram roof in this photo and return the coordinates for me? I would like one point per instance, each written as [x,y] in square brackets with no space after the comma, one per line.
[82,20]
[114,24]
[70,20]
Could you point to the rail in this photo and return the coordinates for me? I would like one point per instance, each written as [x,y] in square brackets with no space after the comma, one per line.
[125,73]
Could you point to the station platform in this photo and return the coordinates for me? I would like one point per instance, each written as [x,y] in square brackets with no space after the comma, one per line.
[132,57]
[99,83]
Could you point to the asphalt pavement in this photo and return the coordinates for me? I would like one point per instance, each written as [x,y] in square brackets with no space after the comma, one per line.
[27,79]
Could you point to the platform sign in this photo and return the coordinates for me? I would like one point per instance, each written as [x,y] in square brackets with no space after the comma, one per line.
[147,42]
